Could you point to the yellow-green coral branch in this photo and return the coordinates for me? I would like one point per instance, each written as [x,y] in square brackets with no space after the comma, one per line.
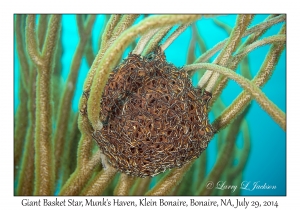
[108,32]
[24,66]
[224,156]
[66,99]
[84,169]
[89,53]
[75,183]
[156,39]
[142,186]
[42,29]
[80,24]
[124,184]
[187,185]
[20,130]
[102,180]
[114,53]
[231,44]
[255,29]
[259,43]
[245,70]
[21,126]
[260,79]
[106,36]
[51,39]
[237,33]
[278,116]
[69,155]
[254,36]
[107,18]
[114,28]
[79,177]
[236,59]
[244,153]
[169,182]
[192,46]
[26,178]
[223,26]
[21,119]
[240,55]
[143,41]
[32,46]
[173,36]
[199,40]
[201,169]
[44,184]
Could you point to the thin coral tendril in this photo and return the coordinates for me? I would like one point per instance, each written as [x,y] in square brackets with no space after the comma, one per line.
[173,36]
[237,33]
[257,28]
[143,41]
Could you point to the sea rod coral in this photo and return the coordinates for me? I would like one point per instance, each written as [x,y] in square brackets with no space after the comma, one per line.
[141,127]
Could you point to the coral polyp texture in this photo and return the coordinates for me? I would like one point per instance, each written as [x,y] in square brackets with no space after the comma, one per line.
[153,118]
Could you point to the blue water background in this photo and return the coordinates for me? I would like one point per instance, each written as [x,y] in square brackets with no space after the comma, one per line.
[267,160]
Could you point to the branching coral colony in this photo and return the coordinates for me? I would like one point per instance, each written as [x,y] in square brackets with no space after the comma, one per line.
[140,116]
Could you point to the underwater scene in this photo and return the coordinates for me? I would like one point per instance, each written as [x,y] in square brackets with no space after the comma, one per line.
[150,104]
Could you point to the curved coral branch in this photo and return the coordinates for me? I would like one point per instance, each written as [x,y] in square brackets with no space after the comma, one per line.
[224,156]
[156,39]
[102,180]
[241,53]
[173,36]
[143,41]
[124,184]
[269,40]
[237,33]
[255,29]
[278,116]
[260,79]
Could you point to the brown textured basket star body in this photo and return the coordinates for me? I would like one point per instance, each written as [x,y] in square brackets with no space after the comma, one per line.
[153,119]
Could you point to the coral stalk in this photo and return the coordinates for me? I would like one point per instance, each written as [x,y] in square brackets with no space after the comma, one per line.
[44,153]
[224,156]
[143,41]
[173,36]
[124,184]
[142,186]
[260,79]
[156,39]
[244,153]
[101,181]
[255,29]
[68,93]
[26,177]
[237,33]
[22,113]
[259,96]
